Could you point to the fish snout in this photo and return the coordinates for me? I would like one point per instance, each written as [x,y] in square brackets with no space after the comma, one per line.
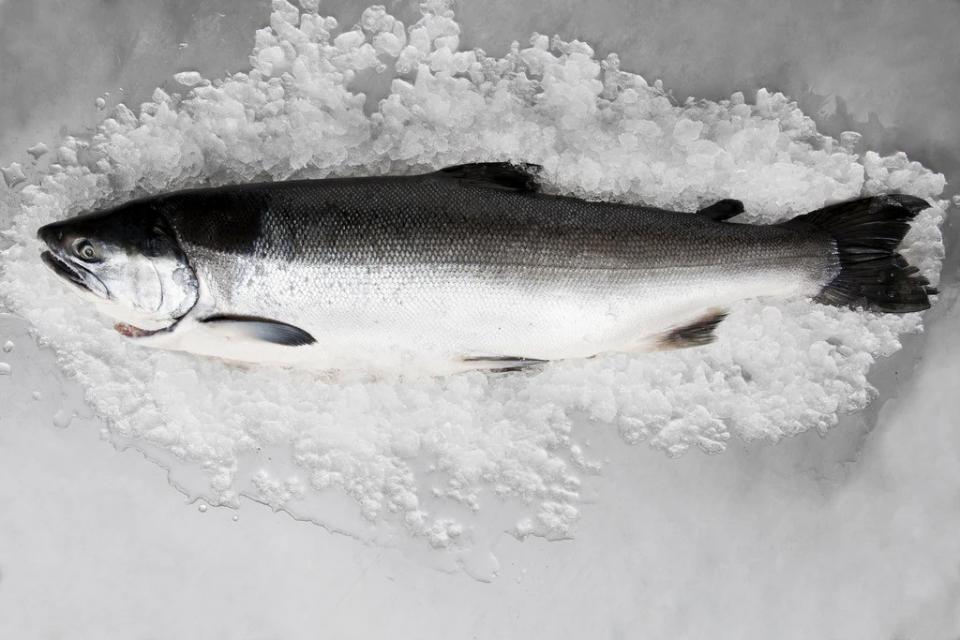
[51,235]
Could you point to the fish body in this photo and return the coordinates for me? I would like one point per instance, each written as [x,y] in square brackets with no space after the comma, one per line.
[469,267]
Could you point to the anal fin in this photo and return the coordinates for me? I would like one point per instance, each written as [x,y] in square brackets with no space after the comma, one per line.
[502,363]
[259,329]
[695,334]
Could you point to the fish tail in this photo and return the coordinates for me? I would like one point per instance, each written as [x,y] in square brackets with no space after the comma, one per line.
[866,234]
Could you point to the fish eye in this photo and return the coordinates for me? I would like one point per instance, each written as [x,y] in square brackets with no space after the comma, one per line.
[85,250]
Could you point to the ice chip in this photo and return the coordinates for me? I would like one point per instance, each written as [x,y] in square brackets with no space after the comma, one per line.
[271,61]
[420,39]
[67,155]
[38,150]
[850,140]
[451,42]
[284,12]
[349,40]
[376,19]
[188,78]
[409,59]
[387,44]
[686,131]
[13,174]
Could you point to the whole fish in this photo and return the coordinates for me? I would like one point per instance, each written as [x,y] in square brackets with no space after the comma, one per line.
[468,267]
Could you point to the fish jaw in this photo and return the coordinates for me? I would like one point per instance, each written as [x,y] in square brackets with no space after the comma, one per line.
[82,279]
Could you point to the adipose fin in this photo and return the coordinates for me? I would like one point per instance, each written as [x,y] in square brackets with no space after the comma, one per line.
[722,210]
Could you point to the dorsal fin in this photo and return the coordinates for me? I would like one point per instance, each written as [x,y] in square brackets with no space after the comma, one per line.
[722,210]
[496,175]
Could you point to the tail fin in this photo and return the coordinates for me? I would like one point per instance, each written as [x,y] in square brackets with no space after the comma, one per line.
[872,274]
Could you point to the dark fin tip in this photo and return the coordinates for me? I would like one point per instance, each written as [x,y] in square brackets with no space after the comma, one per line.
[496,175]
[698,333]
[866,233]
[263,329]
[722,210]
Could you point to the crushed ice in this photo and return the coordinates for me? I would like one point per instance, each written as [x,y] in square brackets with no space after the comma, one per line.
[428,456]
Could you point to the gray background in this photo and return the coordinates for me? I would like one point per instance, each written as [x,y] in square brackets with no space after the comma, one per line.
[849,535]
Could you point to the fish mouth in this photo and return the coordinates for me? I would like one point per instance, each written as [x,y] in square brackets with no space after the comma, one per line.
[77,276]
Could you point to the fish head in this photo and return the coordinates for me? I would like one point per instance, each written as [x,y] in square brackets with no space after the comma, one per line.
[127,261]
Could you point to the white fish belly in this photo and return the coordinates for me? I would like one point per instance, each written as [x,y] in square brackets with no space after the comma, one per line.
[437,320]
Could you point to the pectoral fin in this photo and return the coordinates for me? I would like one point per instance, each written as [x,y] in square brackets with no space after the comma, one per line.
[695,334]
[722,210]
[259,329]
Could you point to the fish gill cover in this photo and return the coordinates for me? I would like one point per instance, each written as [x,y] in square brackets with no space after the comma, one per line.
[429,456]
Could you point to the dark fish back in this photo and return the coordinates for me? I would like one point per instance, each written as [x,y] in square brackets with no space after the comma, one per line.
[430,219]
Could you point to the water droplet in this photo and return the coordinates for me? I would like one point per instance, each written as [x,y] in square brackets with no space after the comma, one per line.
[62,418]
[202,508]
[4,369]
[37,395]
[7,346]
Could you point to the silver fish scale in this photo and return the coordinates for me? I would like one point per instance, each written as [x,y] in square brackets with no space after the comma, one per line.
[443,264]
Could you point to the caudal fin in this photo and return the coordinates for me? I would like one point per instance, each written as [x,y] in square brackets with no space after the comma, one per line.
[872,274]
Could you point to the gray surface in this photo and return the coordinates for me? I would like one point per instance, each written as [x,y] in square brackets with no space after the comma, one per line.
[854,532]
[886,68]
